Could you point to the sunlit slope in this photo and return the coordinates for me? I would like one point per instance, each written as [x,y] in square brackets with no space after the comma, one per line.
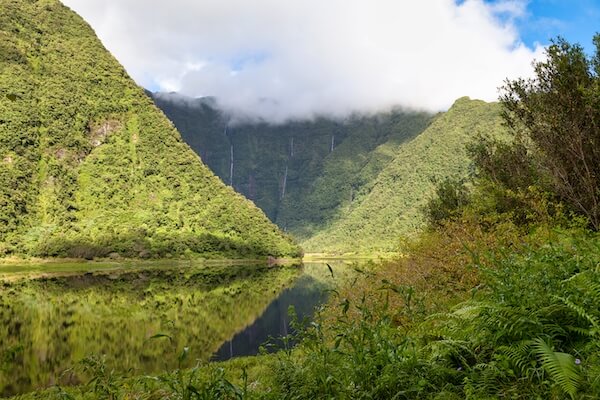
[89,166]
[391,209]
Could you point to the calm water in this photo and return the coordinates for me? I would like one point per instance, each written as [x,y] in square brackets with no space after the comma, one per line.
[139,316]
[305,295]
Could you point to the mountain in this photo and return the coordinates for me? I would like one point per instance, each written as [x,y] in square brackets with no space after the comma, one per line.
[91,167]
[351,186]
[392,208]
[303,174]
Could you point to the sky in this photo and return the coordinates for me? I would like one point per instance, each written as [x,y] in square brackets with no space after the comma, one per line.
[278,60]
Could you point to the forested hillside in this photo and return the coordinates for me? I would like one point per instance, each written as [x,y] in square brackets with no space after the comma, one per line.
[91,167]
[393,207]
[303,174]
[338,186]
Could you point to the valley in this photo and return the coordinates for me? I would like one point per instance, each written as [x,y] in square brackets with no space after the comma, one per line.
[359,195]
[324,224]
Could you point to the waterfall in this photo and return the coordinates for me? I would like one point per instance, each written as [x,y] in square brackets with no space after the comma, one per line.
[284,182]
[231,165]
[332,143]
[226,132]
[292,147]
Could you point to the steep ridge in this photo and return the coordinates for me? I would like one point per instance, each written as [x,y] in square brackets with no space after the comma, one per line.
[303,174]
[392,208]
[89,166]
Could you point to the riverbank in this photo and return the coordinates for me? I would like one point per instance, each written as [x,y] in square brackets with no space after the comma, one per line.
[217,260]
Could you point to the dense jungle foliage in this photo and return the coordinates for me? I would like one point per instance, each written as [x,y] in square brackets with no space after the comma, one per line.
[90,167]
[497,299]
[358,195]
[303,174]
[392,208]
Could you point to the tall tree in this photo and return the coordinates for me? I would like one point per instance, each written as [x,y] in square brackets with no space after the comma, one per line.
[556,114]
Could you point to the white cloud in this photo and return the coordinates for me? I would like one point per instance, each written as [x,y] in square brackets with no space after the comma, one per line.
[296,58]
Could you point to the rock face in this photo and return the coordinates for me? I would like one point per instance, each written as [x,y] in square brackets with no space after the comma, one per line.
[91,167]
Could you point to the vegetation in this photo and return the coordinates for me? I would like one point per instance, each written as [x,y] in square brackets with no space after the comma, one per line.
[326,166]
[512,327]
[360,197]
[90,167]
[497,299]
[554,120]
[393,206]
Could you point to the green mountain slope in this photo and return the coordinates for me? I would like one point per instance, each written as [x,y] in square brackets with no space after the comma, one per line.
[303,174]
[90,166]
[392,207]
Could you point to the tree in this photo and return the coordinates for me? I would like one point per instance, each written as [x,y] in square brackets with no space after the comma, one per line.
[556,115]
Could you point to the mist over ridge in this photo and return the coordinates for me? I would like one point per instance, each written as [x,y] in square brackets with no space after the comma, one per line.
[237,117]
[279,61]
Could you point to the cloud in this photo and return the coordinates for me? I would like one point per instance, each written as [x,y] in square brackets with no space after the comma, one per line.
[278,60]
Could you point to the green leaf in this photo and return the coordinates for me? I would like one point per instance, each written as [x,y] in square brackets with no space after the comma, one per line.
[560,366]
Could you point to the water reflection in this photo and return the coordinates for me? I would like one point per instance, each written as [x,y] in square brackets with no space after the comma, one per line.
[51,322]
[306,294]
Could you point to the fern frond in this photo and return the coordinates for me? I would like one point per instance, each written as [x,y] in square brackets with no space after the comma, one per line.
[469,311]
[583,331]
[582,313]
[519,354]
[594,287]
[560,366]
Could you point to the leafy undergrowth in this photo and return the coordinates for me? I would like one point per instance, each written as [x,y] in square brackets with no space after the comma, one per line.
[520,320]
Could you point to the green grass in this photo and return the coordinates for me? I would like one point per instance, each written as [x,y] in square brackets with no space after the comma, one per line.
[91,167]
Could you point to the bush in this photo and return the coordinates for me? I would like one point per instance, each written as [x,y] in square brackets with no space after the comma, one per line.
[451,196]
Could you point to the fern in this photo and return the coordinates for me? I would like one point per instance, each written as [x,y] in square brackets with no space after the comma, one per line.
[560,366]
[519,354]
[583,314]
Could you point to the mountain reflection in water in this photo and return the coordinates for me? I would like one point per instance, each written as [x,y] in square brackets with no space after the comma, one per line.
[304,296]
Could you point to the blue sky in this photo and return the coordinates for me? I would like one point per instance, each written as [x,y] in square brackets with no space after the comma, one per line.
[575,20]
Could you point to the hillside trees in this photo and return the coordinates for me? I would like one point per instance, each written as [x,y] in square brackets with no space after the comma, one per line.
[89,166]
[554,121]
